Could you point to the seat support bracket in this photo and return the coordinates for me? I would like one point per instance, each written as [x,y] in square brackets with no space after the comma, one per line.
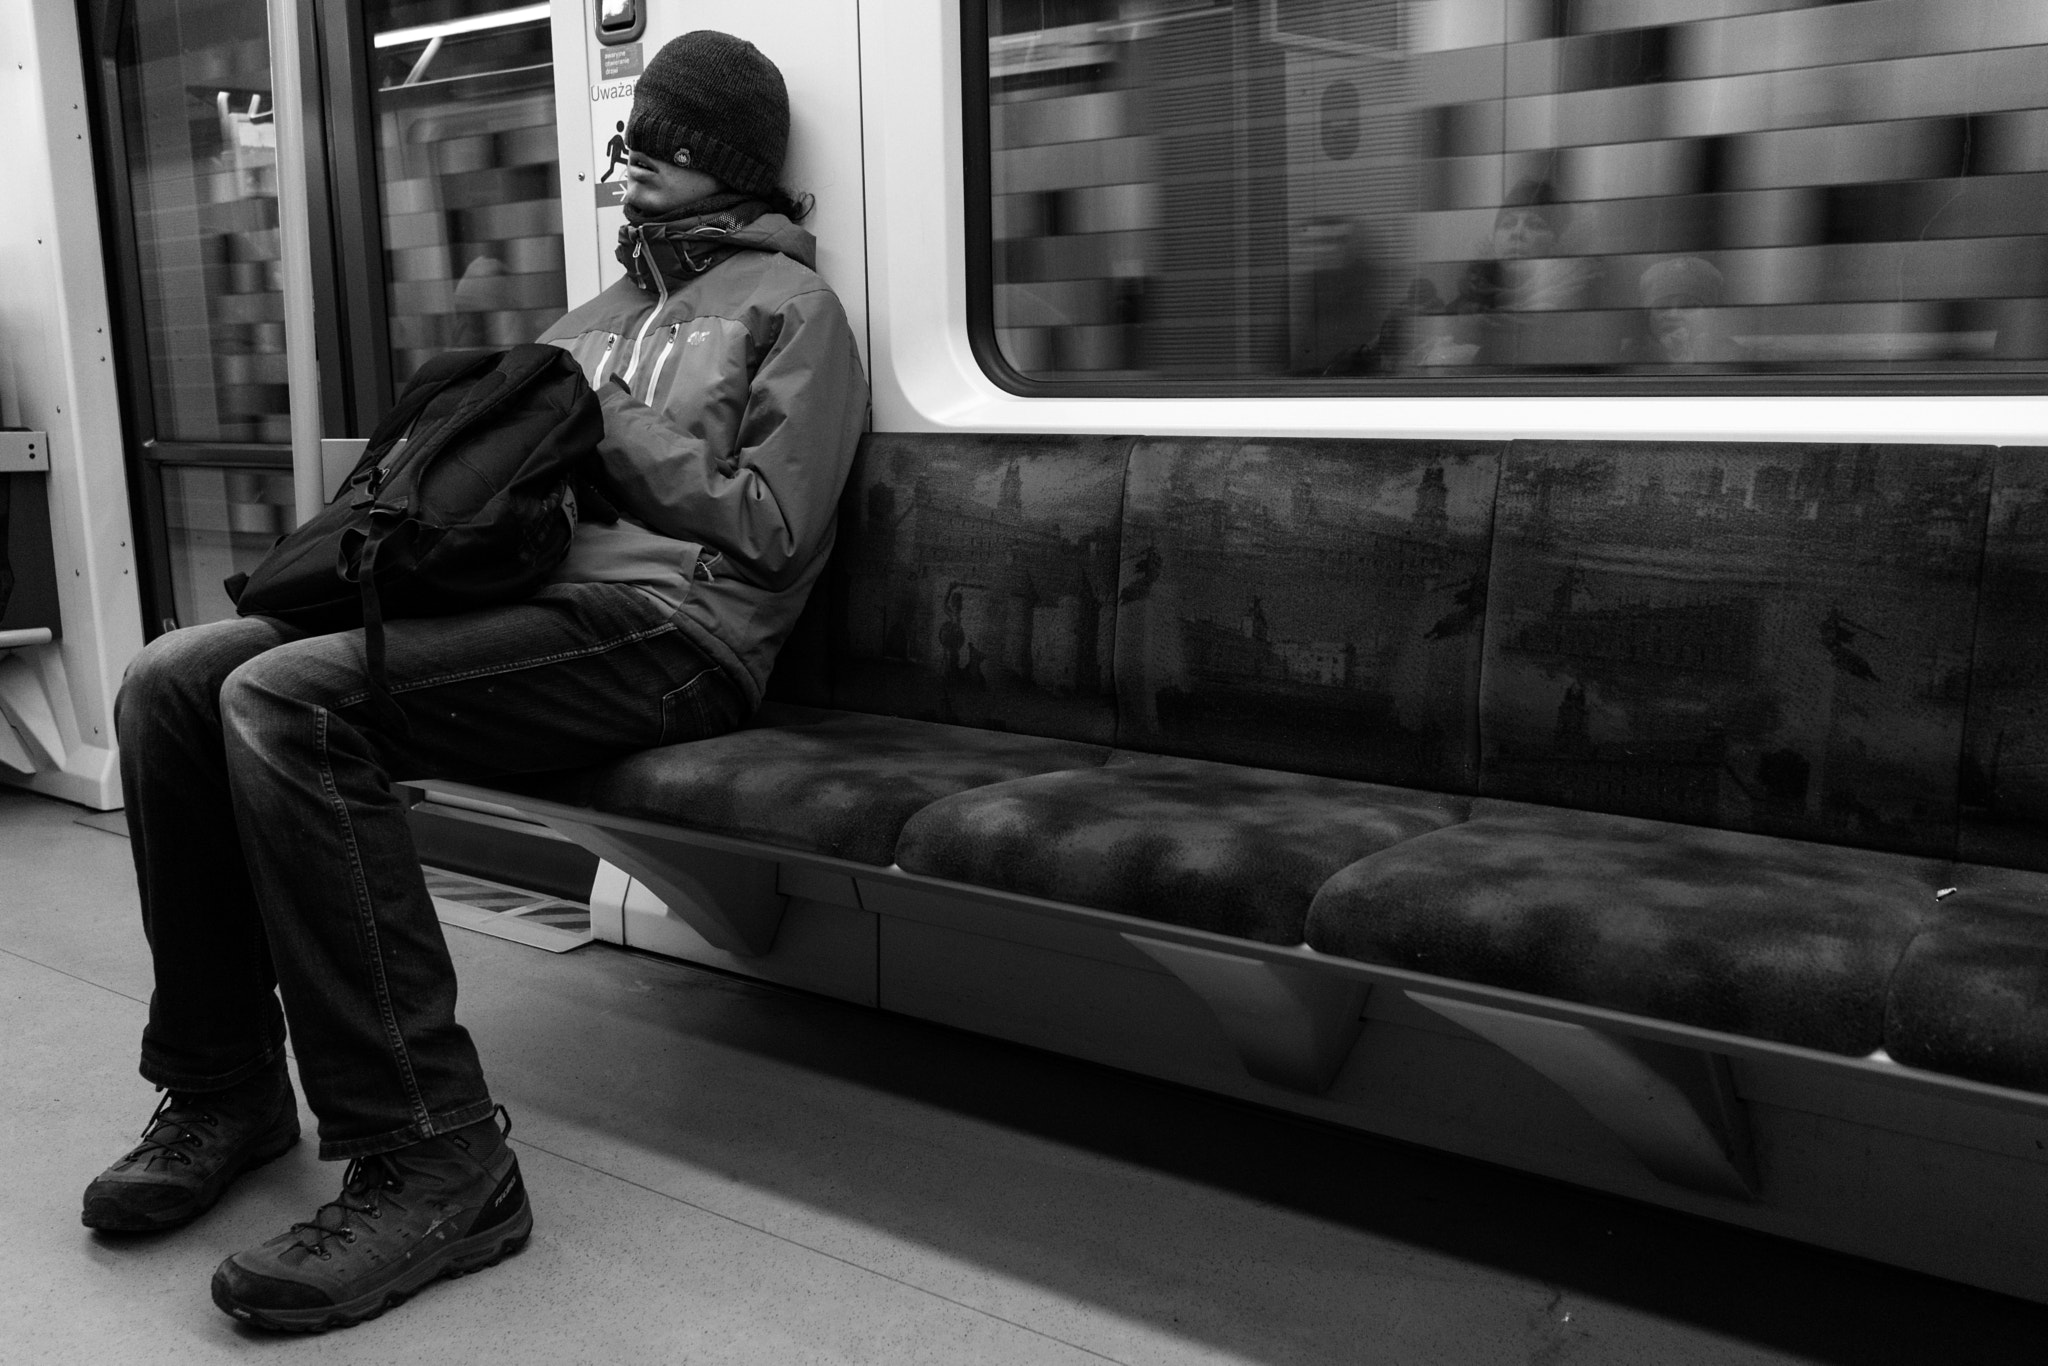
[1674,1107]
[1291,1026]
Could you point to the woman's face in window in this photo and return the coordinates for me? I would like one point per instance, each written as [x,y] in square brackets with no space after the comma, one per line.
[1523,231]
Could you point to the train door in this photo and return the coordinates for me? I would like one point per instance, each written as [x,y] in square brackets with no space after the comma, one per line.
[277,278]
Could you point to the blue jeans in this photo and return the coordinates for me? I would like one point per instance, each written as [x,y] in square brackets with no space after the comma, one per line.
[273,856]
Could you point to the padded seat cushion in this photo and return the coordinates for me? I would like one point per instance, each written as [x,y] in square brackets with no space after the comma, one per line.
[1971,997]
[1211,846]
[1748,934]
[834,783]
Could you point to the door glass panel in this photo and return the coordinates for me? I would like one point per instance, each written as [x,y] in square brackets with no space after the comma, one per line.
[219,521]
[202,175]
[463,98]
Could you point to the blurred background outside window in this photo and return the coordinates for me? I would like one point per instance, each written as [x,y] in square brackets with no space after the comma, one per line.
[464,103]
[1444,188]
[454,100]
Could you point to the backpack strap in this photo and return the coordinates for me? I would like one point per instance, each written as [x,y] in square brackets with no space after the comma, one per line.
[398,424]
[384,525]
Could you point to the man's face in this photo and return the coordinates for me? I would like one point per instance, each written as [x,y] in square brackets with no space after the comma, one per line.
[658,187]
[1680,326]
[1522,232]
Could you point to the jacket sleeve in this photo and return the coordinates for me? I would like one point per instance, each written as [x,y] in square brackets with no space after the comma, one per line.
[768,505]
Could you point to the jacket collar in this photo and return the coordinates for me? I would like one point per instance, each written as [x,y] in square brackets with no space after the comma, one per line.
[663,253]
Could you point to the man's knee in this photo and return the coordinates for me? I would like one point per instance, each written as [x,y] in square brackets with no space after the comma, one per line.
[175,674]
[177,677]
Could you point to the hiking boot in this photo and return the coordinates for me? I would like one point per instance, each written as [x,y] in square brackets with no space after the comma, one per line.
[192,1149]
[447,1206]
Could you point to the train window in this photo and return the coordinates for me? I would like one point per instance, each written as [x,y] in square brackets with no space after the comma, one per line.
[1504,195]
[464,105]
[201,179]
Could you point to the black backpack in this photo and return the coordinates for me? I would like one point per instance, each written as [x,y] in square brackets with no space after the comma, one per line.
[460,500]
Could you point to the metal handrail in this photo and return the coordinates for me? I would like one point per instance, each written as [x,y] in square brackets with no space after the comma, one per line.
[295,249]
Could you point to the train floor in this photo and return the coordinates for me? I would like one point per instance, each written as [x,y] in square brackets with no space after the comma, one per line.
[725,1172]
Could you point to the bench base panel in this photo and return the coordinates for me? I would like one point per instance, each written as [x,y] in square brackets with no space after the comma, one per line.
[820,946]
[1928,1183]
[1943,1177]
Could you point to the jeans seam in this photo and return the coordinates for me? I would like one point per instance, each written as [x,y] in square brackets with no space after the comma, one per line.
[380,986]
[538,661]
[174,1079]
[687,693]
[342,1149]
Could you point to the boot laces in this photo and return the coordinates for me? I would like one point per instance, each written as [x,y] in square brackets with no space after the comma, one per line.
[367,1180]
[173,1130]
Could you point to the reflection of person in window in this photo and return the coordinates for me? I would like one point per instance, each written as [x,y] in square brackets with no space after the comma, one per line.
[1682,313]
[1512,294]
[484,288]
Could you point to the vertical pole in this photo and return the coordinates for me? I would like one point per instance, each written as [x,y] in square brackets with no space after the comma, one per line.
[295,249]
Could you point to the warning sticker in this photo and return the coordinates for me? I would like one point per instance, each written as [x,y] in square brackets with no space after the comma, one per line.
[610,193]
[616,63]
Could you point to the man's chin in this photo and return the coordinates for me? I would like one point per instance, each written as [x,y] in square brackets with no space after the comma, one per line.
[642,200]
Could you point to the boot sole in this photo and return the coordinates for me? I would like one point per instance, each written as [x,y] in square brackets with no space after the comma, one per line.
[105,1215]
[457,1259]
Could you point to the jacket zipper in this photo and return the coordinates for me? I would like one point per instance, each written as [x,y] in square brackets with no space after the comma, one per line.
[654,376]
[611,344]
[661,285]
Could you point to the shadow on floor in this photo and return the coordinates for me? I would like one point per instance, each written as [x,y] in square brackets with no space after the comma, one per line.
[1735,1283]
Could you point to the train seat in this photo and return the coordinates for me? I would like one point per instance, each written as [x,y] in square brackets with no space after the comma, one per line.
[1684,732]
[1704,782]
[840,784]
[1218,847]
[1970,995]
[1745,934]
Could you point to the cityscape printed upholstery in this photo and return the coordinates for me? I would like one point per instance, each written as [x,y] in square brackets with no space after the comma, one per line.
[1770,938]
[1310,605]
[1217,847]
[2005,765]
[1771,638]
[977,582]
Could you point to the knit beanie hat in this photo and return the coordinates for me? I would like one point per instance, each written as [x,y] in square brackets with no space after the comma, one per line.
[1682,282]
[713,103]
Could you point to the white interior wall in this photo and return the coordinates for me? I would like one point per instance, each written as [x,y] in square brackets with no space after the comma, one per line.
[57,375]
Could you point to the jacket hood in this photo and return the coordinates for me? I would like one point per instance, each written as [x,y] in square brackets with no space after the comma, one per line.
[773,232]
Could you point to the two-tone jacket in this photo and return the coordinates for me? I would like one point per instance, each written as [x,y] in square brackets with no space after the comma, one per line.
[733,400]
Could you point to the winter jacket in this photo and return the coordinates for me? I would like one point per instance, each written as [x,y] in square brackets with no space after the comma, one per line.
[733,400]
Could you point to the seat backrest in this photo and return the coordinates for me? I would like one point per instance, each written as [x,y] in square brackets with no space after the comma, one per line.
[1839,643]
[1308,605]
[974,582]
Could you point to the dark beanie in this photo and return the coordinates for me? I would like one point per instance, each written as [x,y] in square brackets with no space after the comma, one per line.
[718,99]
